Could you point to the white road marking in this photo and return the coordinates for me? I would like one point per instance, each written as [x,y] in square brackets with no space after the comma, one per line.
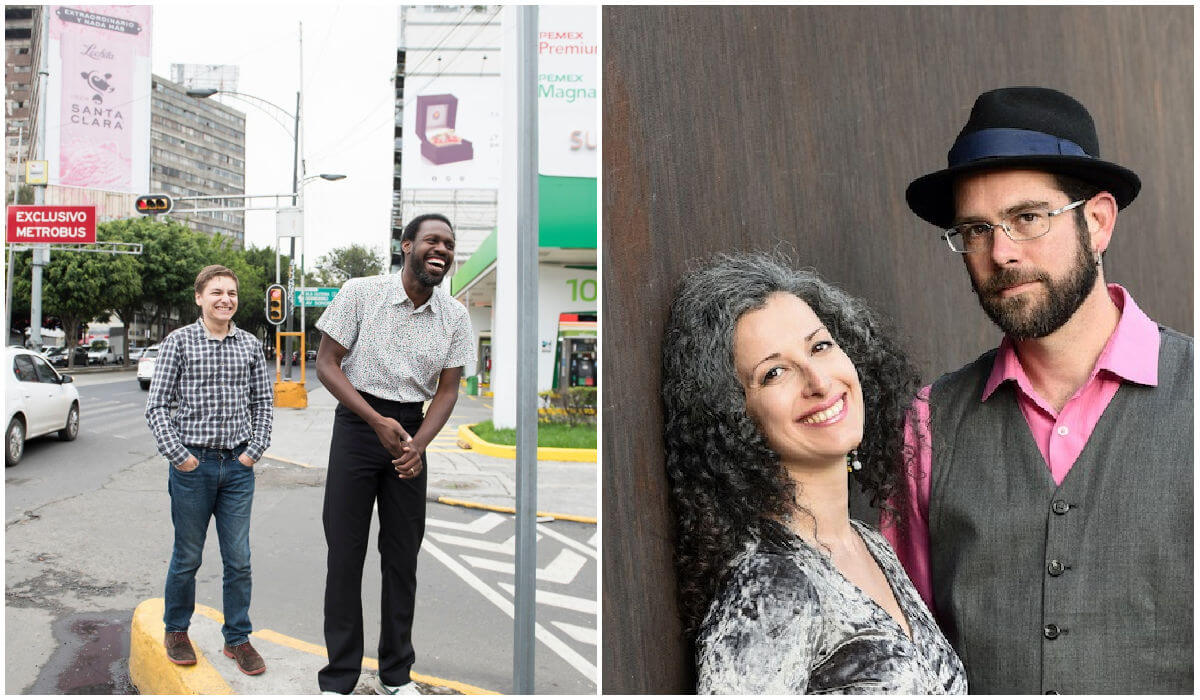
[568,541]
[506,547]
[479,526]
[580,634]
[558,600]
[562,570]
[572,657]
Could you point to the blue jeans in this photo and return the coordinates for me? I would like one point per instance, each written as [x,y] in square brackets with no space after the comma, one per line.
[223,487]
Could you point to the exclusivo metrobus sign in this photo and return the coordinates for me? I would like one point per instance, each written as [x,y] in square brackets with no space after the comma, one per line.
[51,224]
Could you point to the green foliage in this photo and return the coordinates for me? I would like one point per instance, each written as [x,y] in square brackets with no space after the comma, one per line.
[348,262]
[581,437]
[576,406]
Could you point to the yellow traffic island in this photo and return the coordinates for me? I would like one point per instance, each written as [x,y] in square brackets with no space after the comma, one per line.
[152,673]
[469,440]
[290,395]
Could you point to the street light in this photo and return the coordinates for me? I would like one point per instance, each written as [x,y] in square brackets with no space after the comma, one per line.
[297,183]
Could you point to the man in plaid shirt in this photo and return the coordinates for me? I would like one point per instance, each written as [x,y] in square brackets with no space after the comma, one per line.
[215,378]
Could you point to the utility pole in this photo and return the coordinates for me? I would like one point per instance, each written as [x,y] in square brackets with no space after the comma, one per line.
[524,617]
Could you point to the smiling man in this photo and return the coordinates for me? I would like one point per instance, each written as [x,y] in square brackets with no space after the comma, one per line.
[389,343]
[1050,521]
[213,375]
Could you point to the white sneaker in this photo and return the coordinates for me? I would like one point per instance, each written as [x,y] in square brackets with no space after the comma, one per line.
[382,688]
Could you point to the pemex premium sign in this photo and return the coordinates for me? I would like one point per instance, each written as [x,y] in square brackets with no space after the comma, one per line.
[51,224]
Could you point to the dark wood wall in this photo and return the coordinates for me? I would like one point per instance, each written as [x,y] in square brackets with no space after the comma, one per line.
[759,127]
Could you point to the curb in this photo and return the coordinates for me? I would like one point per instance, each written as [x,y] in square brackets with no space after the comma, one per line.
[550,454]
[152,673]
[446,500]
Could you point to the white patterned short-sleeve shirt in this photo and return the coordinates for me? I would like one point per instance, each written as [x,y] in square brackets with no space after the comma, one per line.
[396,351]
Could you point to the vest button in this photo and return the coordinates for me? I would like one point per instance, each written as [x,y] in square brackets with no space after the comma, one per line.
[1055,567]
[1051,631]
[1059,506]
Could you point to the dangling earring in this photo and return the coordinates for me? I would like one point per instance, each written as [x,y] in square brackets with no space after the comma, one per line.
[1099,260]
[852,463]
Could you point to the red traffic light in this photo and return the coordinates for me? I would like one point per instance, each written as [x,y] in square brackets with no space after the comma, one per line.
[276,313]
[154,204]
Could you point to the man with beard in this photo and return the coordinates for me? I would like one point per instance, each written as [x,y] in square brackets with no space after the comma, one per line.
[389,343]
[1048,522]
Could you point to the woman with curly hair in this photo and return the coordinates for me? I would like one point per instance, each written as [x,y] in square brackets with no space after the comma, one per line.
[779,388]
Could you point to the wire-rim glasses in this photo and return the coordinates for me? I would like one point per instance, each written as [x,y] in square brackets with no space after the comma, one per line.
[1023,225]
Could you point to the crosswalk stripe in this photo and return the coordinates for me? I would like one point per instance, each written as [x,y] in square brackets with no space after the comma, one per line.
[558,600]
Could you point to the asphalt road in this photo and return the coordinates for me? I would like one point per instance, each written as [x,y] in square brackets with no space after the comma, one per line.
[88,537]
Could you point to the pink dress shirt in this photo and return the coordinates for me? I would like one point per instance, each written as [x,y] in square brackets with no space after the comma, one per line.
[1130,355]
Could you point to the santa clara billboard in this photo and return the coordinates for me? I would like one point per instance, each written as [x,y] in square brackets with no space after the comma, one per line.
[98,97]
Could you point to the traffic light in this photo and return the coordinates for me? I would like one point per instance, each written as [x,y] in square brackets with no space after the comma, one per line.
[276,311]
[154,204]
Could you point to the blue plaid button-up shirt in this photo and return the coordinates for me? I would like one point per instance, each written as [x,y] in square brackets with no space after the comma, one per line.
[220,390]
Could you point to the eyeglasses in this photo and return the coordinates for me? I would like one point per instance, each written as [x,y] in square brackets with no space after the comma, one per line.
[1023,225]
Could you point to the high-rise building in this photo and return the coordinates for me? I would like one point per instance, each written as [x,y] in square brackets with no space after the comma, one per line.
[198,147]
[22,56]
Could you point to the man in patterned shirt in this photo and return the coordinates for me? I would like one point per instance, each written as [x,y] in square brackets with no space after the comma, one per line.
[389,343]
[215,377]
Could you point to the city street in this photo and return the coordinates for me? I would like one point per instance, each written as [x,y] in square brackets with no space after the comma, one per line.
[88,538]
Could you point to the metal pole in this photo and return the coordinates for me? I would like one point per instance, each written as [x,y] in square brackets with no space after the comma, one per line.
[527,352]
[11,263]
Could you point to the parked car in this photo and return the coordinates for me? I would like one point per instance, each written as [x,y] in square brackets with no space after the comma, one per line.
[145,367]
[135,352]
[54,353]
[39,401]
[81,357]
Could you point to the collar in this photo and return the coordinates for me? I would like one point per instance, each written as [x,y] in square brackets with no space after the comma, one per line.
[398,296]
[1131,352]
[204,329]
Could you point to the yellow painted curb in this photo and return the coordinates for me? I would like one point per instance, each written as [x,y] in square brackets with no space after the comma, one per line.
[153,673]
[367,662]
[509,509]
[553,454]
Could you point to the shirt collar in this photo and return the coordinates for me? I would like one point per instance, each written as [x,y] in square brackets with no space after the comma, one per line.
[400,297]
[210,336]
[1131,352]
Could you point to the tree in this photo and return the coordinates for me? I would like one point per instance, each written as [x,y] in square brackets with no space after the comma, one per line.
[341,264]
[77,287]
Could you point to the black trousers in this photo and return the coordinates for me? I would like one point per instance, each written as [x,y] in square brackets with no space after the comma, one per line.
[361,472]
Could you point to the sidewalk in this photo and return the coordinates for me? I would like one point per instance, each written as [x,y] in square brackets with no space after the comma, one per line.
[301,437]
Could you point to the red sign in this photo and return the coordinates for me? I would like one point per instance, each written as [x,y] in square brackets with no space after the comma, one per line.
[51,224]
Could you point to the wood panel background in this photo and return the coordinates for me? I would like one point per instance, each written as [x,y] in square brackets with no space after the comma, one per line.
[759,127]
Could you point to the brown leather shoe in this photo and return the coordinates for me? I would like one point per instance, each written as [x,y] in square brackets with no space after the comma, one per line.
[249,661]
[179,648]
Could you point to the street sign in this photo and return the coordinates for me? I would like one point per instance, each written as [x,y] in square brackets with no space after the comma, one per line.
[51,224]
[314,296]
[37,172]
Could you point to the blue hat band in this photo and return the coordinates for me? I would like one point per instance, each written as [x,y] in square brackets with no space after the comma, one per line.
[992,143]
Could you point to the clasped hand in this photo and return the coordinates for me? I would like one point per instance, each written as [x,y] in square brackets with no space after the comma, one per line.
[405,450]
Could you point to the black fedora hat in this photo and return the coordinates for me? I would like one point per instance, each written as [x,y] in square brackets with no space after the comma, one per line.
[1022,127]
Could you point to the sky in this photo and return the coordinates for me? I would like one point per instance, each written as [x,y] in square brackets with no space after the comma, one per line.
[347,110]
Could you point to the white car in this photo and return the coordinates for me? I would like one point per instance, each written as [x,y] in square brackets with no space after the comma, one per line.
[145,366]
[39,401]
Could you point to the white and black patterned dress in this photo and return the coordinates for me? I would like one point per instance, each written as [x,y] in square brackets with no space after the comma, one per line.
[786,621]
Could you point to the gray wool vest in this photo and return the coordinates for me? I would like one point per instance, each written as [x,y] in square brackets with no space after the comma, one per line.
[1084,587]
